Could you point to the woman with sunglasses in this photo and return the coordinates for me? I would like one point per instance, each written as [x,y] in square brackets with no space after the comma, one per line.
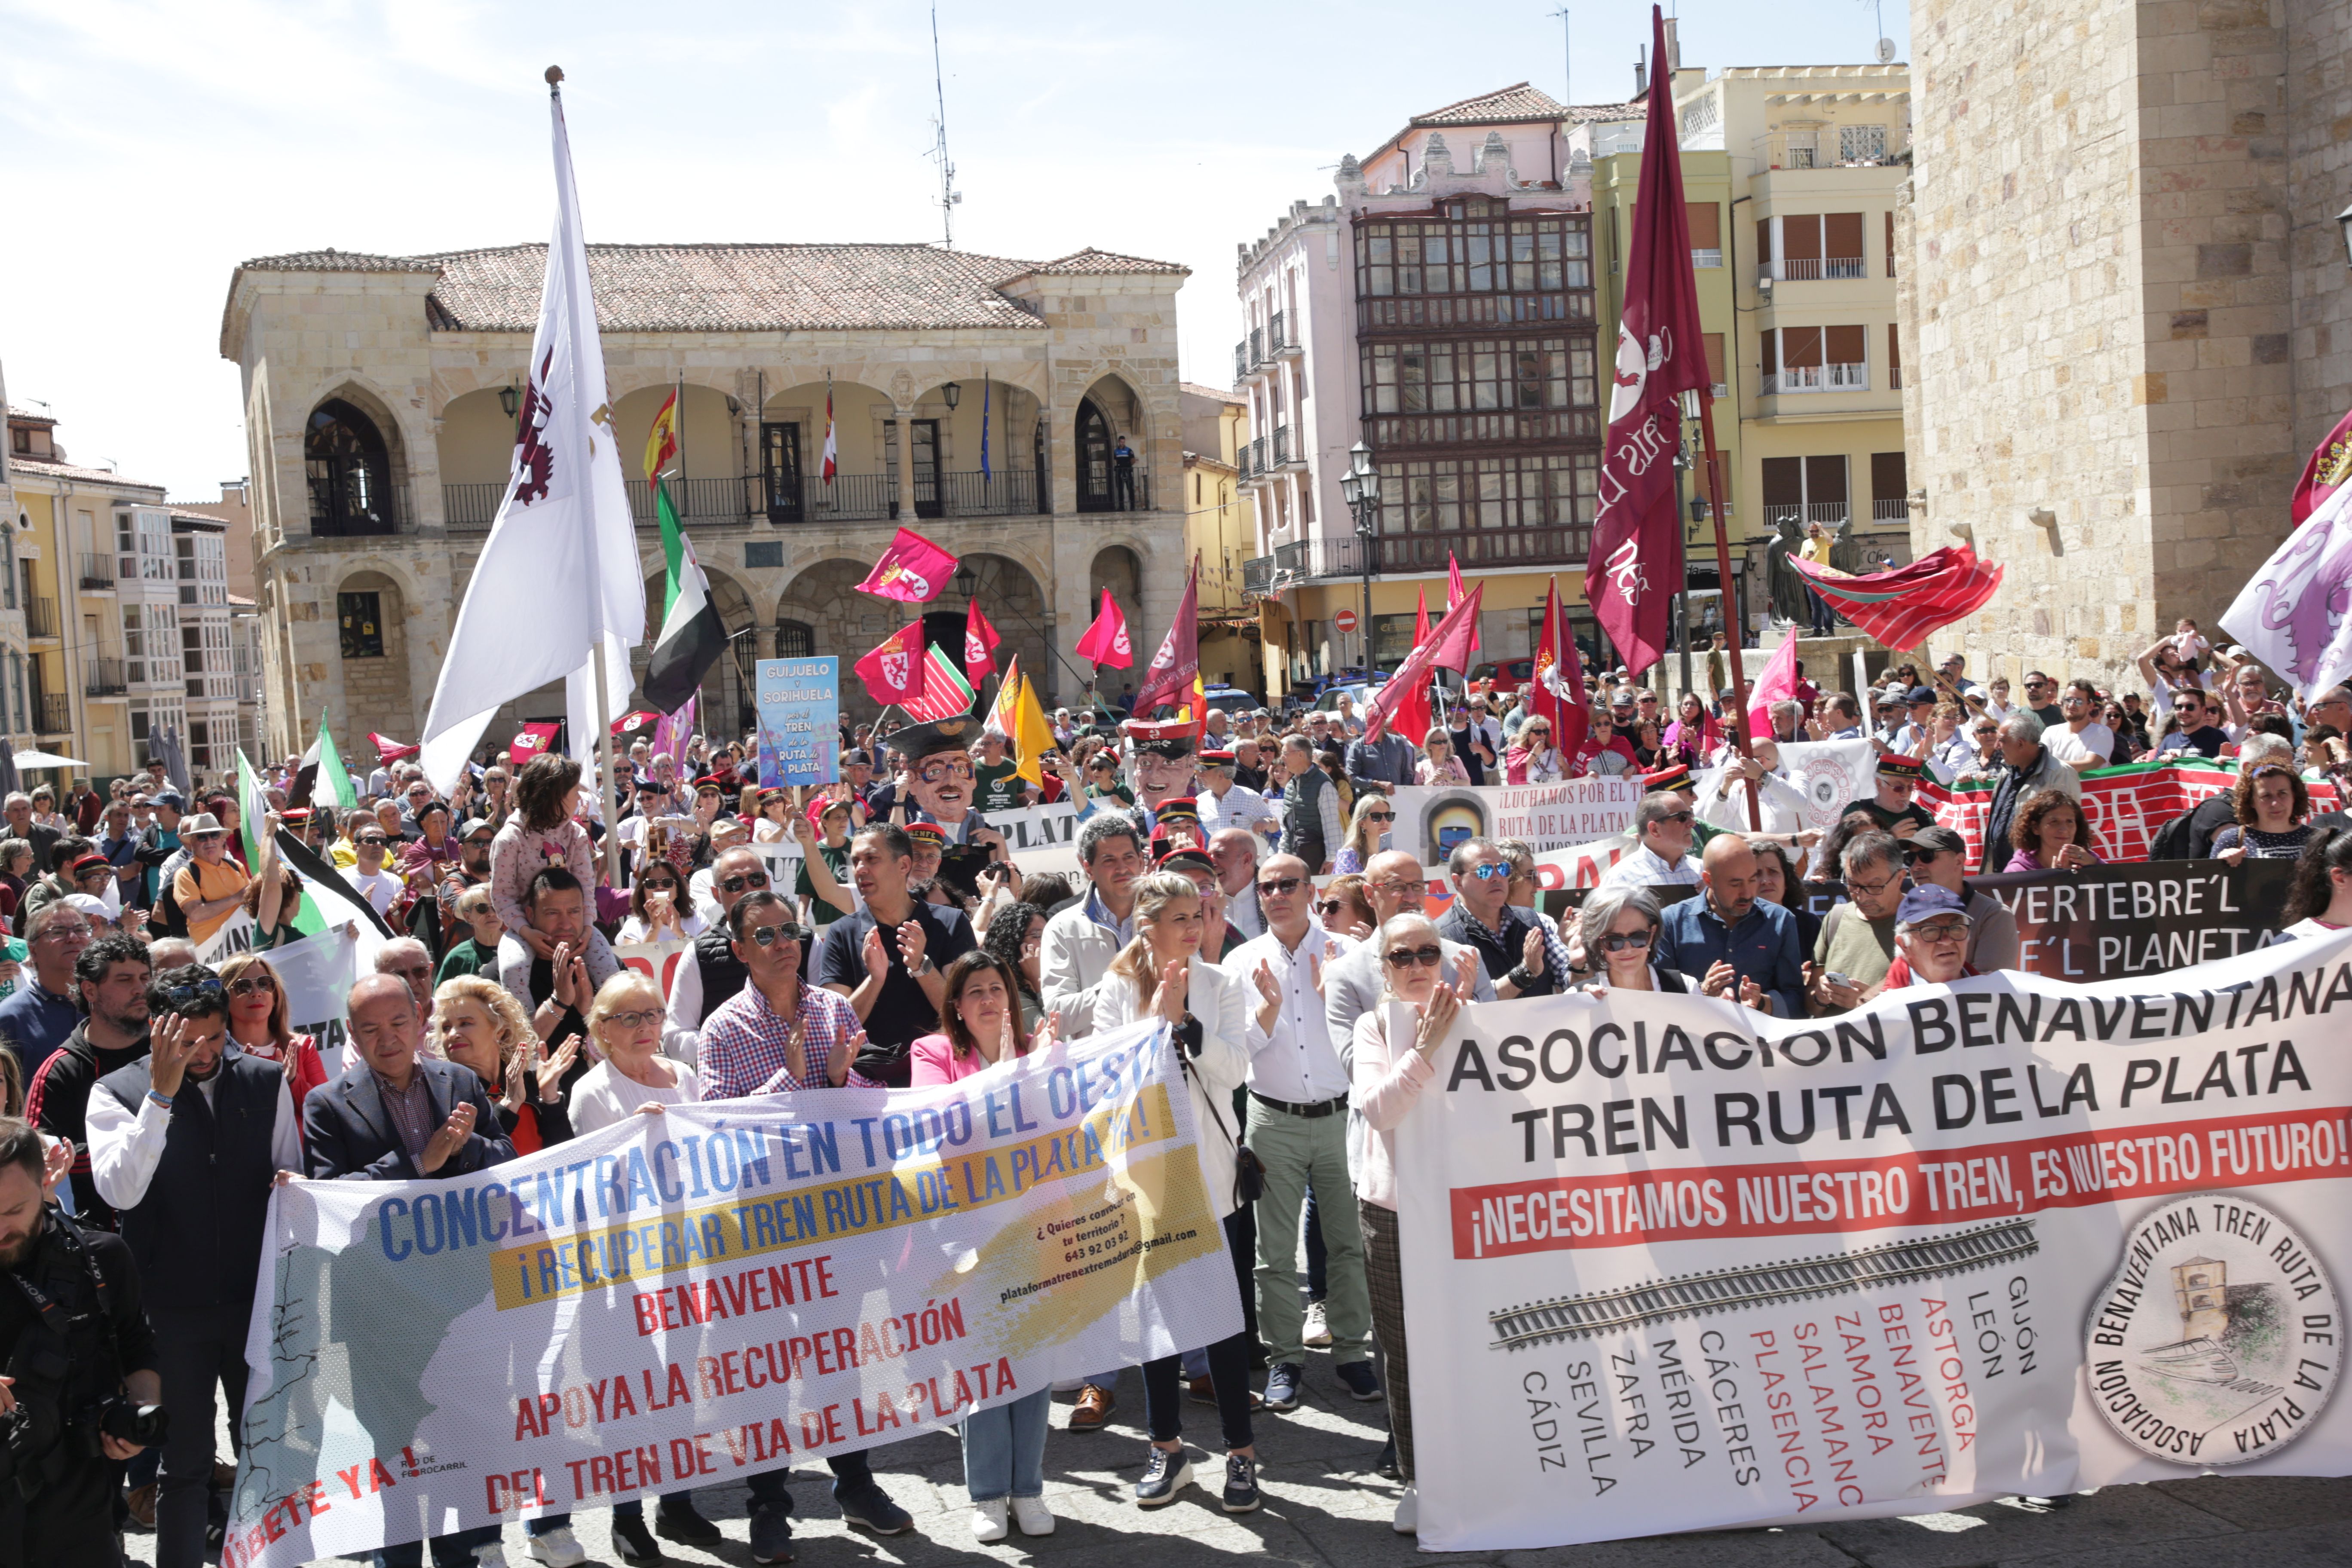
[1395,1042]
[657,910]
[2271,804]
[1369,827]
[1618,929]
[257,1025]
[1534,759]
[480,1025]
[1103,781]
[1344,910]
[1005,1447]
[1438,764]
[1162,974]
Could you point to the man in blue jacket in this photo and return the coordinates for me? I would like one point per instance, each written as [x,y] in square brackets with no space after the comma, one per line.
[1730,943]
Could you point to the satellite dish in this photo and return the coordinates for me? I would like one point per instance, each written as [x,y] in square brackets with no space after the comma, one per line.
[1887,51]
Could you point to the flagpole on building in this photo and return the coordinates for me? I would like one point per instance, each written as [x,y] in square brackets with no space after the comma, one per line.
[595,595]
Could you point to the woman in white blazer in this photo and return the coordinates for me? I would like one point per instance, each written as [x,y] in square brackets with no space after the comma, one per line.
[1161,973]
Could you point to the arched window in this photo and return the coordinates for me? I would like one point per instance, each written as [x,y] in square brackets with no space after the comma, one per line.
[1094,458]
[350,473]
[795,640]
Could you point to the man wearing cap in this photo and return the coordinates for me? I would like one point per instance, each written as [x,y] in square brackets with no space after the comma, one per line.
[118,842]
[1939,858]
[1895,808]
[1911,737]
[1931,940]
[1663,824]
[1222,803]
[1176,824]
[210,887]
[930,846]
[996,776]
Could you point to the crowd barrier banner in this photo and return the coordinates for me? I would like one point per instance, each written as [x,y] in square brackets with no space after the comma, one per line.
[719,1290]
[1432,819]
[2124,805]
[1673,1265]
[658,961]
[2114,921]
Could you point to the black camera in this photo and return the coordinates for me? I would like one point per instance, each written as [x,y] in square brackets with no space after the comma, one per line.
[145,1425]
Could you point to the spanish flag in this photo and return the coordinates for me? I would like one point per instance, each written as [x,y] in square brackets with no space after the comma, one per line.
[1022,718]
[661,441]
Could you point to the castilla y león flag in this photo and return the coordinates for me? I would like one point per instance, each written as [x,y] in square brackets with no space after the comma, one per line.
[1661,353]
[893,673]
[913,570]
[1106,641]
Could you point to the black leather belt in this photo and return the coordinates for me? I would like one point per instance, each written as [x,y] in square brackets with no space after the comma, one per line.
[1322,1108]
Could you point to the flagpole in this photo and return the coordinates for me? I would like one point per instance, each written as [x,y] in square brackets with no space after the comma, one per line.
[1723,574]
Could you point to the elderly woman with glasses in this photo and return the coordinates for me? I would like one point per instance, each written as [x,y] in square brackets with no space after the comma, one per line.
[1618,927]
[1395,1045]
[1369,827]
[1535,759]
[257,1024]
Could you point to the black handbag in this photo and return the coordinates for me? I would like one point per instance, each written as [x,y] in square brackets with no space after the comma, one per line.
[1249,1171]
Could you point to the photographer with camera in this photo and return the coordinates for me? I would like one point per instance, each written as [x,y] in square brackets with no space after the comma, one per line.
[81,1394]
[185,1143]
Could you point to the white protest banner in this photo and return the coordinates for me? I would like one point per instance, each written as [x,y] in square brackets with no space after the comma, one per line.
[317,974]
[1831,775]
[1041,837]
[1432,819]
[725,1289]
[1583,865]
[231,937]
[658,961]
[1671,1265]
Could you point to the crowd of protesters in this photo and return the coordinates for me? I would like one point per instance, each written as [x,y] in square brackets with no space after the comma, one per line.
[1244,883]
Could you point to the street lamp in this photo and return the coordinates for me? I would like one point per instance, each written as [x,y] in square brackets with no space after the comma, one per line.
[966,579]
[953,393]
[1361,488]
[2344,222]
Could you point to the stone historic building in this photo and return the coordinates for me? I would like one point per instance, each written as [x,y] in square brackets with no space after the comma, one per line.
[2126,299]
[981,400]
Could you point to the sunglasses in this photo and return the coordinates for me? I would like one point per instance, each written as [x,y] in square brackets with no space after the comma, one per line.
[252,984]
[1492,871]
[1279,887]
[659,884]
[1680,817]
[748,879]
[768,936]
[1639,938]
[208,837]
[1429,956]
[375,839]
[1325,908]
[1380,816]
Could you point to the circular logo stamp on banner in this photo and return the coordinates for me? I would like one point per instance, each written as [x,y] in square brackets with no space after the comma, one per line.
[2220,1338]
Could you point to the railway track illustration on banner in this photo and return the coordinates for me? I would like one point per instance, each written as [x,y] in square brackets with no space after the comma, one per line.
[1727,1289]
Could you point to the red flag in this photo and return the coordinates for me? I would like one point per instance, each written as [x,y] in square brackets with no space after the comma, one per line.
[1413,720]
[2330,465]
[893,673]
[637,718]
[387,750]
[530,741]
[979,641]
[1902,607]
[1177,664]
[1453,594]
[1454,629]
[1559,693]
[912,570]
[1660,353]
[1778,683]
[1106,640]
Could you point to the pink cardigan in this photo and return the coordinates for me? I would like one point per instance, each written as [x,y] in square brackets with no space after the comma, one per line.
[932,1060]
[1388,1085]
[518,854]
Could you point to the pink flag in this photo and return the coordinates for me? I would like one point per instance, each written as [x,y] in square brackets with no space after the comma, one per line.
[913,570]
[1778,683]
[1453,594]
[979,641]
[1636,547]
[1106,641]
[1413,672]
[676,730]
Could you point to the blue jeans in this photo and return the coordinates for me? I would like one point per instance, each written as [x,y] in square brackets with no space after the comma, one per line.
[1004,1449]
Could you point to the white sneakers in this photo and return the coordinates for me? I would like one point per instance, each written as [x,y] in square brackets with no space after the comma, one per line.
[1317,1332]
[1033,1517]
[1407,1513]
[495,1555]
[988,1520]
[557,1549]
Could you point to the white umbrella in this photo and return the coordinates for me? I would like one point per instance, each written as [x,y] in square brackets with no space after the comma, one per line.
[37,759]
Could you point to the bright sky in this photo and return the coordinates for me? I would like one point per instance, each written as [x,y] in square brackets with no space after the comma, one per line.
[148,148]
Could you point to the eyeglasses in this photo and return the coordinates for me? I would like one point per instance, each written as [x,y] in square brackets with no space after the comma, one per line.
[636,1018]
[748,879]
[1942,931]
[1492,871]
[940,773]
[1380,816]
[253,984]
[1396,887]
[1620,942]
[768,936]
[1429,956]
[1872,889]
[64,933]
[1279,887]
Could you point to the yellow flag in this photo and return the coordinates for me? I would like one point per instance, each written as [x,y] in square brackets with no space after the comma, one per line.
[661,441]
[1022,718]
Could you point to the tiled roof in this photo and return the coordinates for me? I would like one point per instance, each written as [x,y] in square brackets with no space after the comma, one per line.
[76,471]
[1516,102]
[1222,394]
[16,412]
[731,288]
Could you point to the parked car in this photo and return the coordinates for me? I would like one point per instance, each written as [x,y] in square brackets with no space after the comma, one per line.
[1506,677]
[1231,699]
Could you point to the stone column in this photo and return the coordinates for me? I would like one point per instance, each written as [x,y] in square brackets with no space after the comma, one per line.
[905,422]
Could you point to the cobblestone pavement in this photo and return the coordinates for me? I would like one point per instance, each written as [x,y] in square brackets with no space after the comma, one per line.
[1326,1507]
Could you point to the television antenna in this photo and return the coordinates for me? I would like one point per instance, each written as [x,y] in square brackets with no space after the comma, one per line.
[1567,76]
[949,197]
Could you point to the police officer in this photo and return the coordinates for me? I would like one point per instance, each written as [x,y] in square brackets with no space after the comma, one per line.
[185,1144]
[83,1387]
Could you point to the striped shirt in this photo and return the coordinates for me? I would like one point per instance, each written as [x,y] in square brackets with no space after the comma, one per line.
[744,1044]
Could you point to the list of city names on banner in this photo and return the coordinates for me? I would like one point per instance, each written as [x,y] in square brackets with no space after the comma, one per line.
[717,1290]
[1671,1264]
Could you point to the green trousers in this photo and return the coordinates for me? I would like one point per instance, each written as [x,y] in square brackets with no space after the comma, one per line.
[1298,1149]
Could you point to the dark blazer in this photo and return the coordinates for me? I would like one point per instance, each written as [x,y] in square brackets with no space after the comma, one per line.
[348,1135]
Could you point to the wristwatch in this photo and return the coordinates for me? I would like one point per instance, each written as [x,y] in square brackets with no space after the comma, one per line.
[928,968]
[1519,976]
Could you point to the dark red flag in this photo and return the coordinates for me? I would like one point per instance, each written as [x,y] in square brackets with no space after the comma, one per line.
[1661,353]
[979,641]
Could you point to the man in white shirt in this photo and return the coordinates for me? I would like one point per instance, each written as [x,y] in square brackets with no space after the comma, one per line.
[1225,804]
[1298,1127]
[370,878]
[1235,853]
[1723,799]
[2082,741]
[1664,822]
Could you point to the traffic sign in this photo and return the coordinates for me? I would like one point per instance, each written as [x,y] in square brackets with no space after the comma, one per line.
[1345,620]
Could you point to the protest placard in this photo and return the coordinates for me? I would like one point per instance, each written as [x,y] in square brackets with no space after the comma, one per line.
[2111,921]
[725,1289]
[1432,819]
[800,721]
[1671,1264]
